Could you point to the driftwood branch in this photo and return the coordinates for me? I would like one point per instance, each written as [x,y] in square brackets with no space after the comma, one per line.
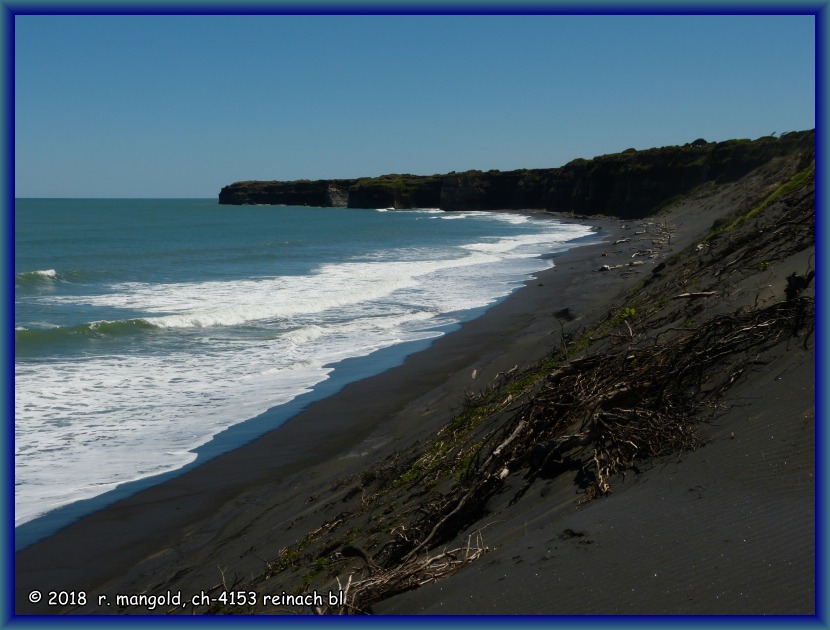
[696,294]
[358,595]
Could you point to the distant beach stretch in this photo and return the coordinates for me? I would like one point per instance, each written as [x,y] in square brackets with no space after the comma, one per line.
[529,412]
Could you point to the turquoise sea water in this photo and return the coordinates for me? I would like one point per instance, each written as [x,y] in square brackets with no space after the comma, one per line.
[146,328]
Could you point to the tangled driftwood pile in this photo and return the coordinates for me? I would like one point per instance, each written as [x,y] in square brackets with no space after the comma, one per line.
[599,414]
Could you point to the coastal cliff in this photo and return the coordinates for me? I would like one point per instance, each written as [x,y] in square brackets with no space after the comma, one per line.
[320,193]
[630,184]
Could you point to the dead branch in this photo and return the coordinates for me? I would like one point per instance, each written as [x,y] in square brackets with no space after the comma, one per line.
[358,595]
[697,294]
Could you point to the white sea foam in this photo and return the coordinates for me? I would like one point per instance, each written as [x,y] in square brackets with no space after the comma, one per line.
[132,417]
[231,303]
[85,425]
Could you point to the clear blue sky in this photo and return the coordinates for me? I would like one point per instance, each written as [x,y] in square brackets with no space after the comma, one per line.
[179,106]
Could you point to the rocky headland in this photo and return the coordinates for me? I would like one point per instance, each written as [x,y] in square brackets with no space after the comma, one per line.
[630,184]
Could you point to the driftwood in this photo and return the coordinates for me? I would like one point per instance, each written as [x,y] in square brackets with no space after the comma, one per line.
[696,294]
[635,263]
[357,596]
[598,415]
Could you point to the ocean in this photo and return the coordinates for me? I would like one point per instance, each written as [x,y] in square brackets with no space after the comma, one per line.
[151,334]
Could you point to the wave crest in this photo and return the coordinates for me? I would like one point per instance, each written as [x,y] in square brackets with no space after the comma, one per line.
[25,337]
[39,277]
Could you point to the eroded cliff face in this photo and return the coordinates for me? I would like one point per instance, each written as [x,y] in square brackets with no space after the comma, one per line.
[630,184]
[320,193]
[396,191]
[494,190]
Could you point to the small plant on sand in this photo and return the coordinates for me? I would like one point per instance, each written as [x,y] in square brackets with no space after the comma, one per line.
[287,558]
[413,474]
[626,313]
[467,462]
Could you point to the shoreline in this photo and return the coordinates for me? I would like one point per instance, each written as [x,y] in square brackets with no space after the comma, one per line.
[322,432]
[237,435]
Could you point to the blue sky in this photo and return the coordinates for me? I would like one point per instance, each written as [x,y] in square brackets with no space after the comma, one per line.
[179,106]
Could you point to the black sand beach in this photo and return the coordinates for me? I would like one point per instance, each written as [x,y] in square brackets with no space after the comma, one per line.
[727,528]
